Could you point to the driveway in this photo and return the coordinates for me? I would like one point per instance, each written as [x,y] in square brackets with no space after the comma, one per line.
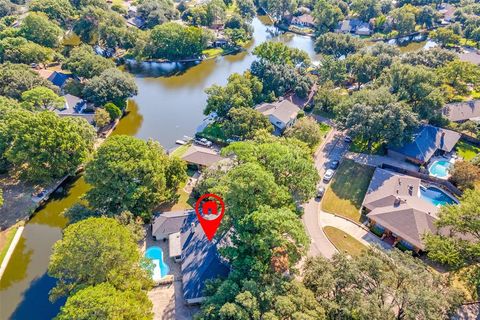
[331,149]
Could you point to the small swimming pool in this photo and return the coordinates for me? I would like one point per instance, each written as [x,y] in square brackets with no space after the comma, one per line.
[435,196]
[160,269]
[440,168]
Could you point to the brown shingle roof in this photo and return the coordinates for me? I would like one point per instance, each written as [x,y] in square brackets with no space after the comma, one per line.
[461,111]
[201,156]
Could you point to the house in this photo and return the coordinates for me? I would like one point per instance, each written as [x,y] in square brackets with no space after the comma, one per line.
[462,111]
[282,114]
[201,157]
[470,56]
[200,262]
[59,79]
[169,223]
[447,12]
[427,141]
[305,20]
[75,107]
[395,209]
[136,22]
[355,26]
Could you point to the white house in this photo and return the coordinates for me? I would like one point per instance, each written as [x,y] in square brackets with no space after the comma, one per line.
[282,114]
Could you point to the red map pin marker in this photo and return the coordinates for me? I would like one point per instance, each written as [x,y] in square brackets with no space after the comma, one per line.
[207,208]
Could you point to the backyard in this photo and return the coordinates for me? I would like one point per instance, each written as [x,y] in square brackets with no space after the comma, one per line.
[347,190]
[467,150]
[343,241]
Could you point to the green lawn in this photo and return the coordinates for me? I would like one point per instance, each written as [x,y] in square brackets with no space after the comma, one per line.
[214,132]
[360,146]
[344,242]
[466,150]
[324,129]
[345,195]
[214,52]
[180,151]
[6,238]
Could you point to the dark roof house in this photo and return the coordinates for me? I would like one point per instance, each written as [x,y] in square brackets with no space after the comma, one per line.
[201,262]
[427,141]
[462,111]
[75,107]
[59,79]
[170,222]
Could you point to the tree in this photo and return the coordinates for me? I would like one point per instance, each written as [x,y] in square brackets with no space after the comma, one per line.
[327,15]
[84,63]
[363,67]
[91,17]
[243,122]
[278,8]
[105,302]
[42,98]
[378,285]
[431,58]
[112,85]
[17,78]
[79,212]
[216,12]
[331,69]
[403,20]
[106,253]
[390,124]
[113,111]
[6,8]
[133,224]
[101,117]
[37,28]
[59,10]
[426,17]
[20,50]
[1,198]
[465,174]
[307,130]
[289,161]
[246,8]
[279,53]
[241,91]
[173,41]
[337,44]
[327,97]
[460,253]
[366,9]
[156,12]
[130,174]
[46,146]
[460,74]
[445,36]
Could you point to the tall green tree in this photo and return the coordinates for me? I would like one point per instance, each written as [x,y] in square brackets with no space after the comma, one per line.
[17,78]
[21,50]
[241,91]
[460,75]
[103,301]
[243,122]
[279,53]
[278,8]
[83,62]
[460,248]
[112,85]
[42,98]
[337,44]
[127,173]
[96,251]
[379,285]
[38,28]
[445,36]
[327,16]
[307,130]
[366,9]
[46,146]
[246,8]
[156,12]
[59,10]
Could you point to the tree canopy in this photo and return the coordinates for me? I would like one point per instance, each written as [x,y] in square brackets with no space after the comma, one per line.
[38,28]
[306,129]
[279,53]
[242,123]
[17,78]
[155,12]
[83,62]
[127,173]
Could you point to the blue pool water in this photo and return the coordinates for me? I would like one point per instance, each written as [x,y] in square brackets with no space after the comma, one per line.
[435,196]
[440,168]
[161,269]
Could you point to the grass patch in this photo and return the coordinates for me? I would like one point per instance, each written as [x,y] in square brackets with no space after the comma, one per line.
[325,114]
[324,129]
[344,242]
[185,202]
[348,188]
[180,151]
[213,52]
[6,238]
[467,150]
[360,146]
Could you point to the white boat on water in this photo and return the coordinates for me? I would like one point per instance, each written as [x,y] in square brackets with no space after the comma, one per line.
[181,142]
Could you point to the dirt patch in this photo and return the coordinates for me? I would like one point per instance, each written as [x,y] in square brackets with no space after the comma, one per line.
[18,203]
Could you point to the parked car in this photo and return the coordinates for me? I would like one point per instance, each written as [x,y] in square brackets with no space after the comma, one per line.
[347,139]
[203,142]
[320,192]
[334,164]
[328,175]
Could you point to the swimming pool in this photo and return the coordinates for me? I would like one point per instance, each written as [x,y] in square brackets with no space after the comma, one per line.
[440,168]
[160,269]
[435,196]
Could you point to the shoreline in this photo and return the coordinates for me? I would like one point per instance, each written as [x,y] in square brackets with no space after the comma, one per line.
[11,249]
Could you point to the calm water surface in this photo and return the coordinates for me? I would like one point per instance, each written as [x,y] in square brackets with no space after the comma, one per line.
[169,105]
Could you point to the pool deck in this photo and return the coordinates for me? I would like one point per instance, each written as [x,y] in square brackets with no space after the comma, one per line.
[449,158]
[168,302]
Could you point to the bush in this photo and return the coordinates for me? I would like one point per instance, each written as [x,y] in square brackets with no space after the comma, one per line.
[113,111]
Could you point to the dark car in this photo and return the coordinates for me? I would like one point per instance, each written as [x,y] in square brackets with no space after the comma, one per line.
[347,139]
[320,192]
[334,164]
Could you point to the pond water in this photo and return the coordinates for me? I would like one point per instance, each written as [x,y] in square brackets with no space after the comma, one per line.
[169,105]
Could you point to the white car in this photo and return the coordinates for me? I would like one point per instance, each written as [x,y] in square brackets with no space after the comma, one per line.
[328,175]
[203,142]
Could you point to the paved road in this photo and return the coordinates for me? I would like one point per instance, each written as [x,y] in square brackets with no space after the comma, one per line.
[332,148]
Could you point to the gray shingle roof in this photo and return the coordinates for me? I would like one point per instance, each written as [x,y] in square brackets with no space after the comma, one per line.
[461,111]
[427,141]
[201,156]
[284,110]
[171,222]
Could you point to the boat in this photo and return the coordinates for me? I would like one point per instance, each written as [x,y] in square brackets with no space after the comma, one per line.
[181,142]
